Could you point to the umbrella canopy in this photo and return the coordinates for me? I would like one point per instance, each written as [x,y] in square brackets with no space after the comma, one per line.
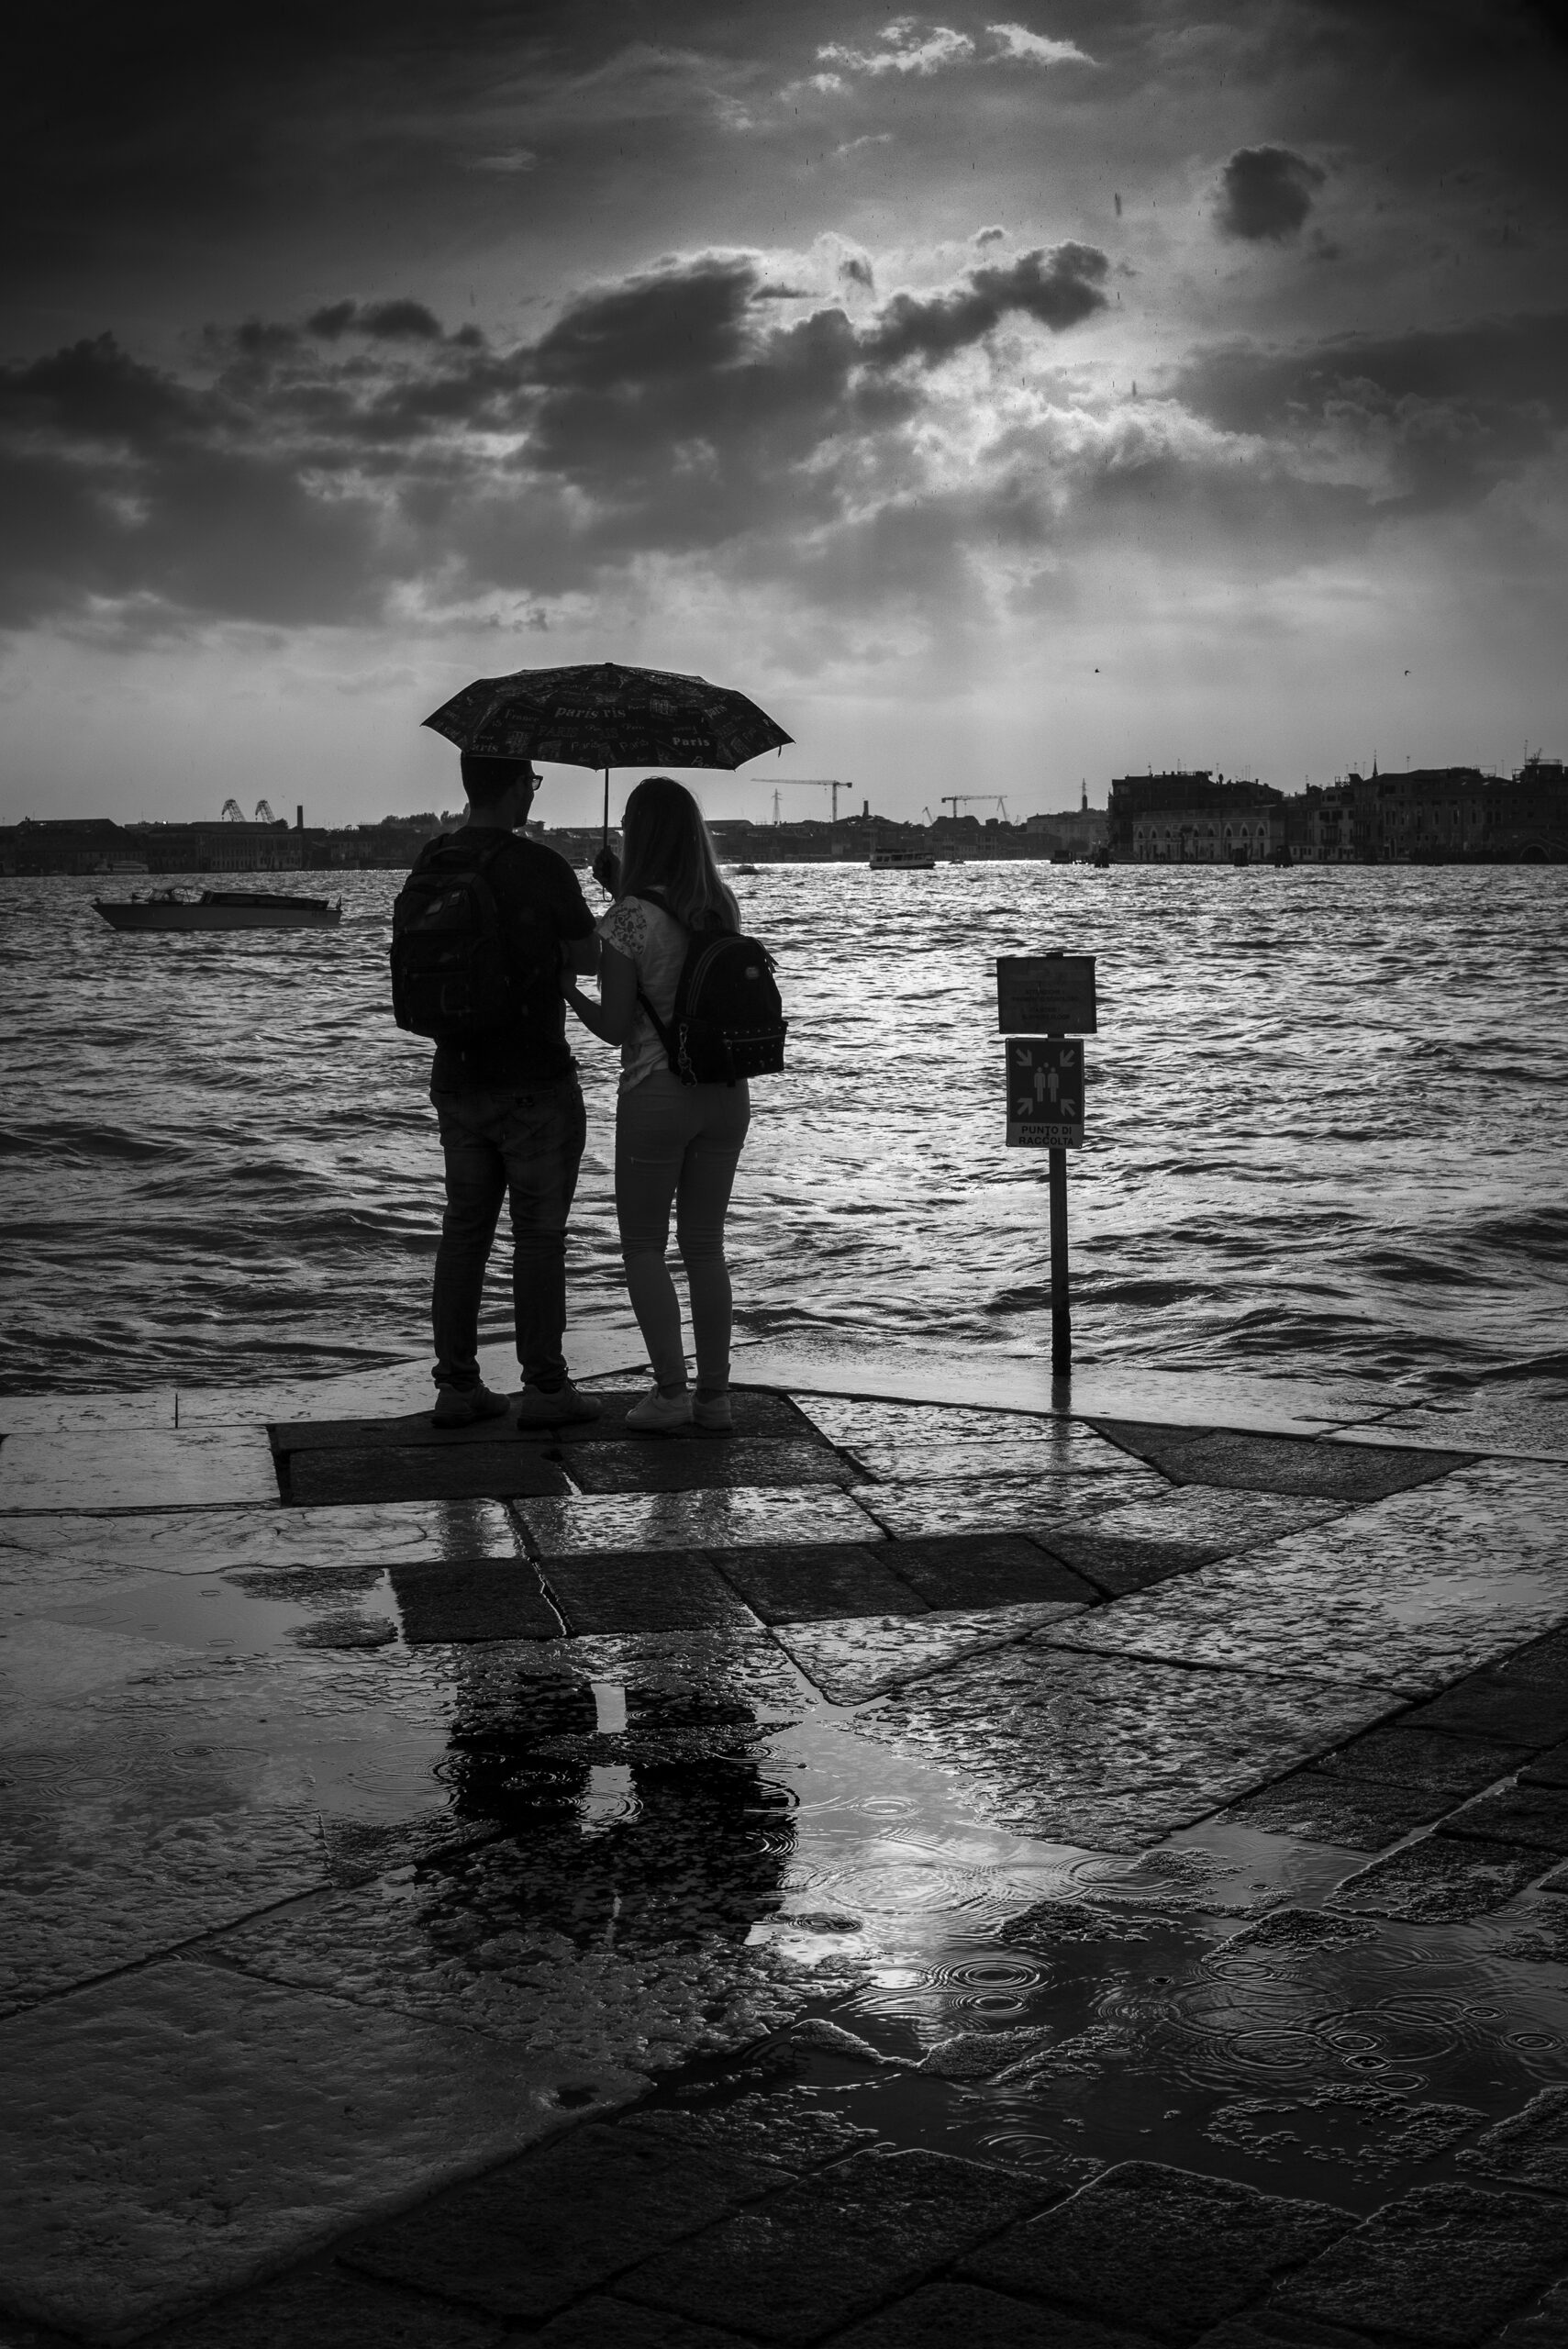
[604,715]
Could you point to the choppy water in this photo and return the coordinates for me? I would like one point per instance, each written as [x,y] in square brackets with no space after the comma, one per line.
[1327,1116]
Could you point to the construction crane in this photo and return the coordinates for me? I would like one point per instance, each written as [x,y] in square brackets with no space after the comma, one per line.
[809,782]
[957,799]
[264,813]
[232,812]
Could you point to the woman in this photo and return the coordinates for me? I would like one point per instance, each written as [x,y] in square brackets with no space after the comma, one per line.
[674,1143]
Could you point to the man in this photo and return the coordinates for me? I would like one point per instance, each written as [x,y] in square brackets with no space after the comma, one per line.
[512,1124]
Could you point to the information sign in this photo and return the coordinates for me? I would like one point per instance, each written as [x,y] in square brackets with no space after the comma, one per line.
[1039,993]
[1045,1092]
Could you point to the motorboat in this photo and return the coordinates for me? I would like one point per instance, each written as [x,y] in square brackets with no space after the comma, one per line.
[220,909]
[902,860]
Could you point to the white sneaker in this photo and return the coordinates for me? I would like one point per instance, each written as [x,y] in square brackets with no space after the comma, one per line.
[661,1414]
[713,1412]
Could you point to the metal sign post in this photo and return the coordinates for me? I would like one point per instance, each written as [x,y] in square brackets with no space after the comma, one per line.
[1045,1092]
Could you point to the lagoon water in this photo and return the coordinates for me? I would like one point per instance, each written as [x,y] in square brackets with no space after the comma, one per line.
[1328,1115]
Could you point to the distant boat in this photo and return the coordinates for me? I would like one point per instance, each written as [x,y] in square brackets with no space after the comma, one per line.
[900,860]
[220,909]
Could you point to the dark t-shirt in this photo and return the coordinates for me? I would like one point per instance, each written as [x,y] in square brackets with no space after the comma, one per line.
[543,903]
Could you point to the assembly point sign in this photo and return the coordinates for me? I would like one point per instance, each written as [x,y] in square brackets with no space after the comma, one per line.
[1045,1091]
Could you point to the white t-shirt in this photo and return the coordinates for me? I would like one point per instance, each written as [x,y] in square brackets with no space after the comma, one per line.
[655,945]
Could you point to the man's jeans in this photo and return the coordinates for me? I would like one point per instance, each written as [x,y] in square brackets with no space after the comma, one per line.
[526,1145]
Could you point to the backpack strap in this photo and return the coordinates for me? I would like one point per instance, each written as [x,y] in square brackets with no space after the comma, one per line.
[659,1028]
[476,868]
[657,898]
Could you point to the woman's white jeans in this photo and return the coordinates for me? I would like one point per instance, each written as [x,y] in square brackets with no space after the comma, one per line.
[678,1146]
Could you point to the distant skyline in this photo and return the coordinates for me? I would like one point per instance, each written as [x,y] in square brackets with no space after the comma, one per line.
[1002,401]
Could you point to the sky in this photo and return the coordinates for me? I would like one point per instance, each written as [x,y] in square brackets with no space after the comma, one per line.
[1004,402]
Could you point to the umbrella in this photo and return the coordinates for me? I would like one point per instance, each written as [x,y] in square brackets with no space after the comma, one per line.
[602,715]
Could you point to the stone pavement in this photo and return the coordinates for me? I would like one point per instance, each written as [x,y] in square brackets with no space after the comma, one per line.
[938,1867]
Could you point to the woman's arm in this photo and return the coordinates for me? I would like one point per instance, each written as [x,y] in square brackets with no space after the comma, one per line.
[614,1017]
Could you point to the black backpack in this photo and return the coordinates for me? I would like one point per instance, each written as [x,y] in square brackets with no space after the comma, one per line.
[728,1020]
[456,972]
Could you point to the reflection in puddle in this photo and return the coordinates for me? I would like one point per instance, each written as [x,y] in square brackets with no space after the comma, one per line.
[668,1843]
[609,1797]
[250,1612]
[636,1815]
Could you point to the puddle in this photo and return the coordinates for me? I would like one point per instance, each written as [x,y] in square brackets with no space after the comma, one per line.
[664,1850]
[248,1613]
[1132,2018]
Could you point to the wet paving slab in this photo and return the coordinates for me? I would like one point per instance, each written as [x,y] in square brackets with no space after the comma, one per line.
[469,1601]
[796,1826]
[281,2116]
[149,1469]
[988,1570]
[1032,1504]
[420,1473]
[180,1793]
[1410,1591]
[860,1657]
[36,1551]
[715,1520]
[639,1590]
[1358,1473]
[742,1463]
[1516,1416]
[1113,1752]
[815,1581]
[1172,1531]
[901,1445]
[535,2237]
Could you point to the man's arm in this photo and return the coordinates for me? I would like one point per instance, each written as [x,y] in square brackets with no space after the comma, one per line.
[579,938]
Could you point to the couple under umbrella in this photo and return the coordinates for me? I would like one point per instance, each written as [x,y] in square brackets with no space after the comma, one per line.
[506,1096]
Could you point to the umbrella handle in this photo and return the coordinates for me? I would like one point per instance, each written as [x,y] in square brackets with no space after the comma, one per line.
[606,839]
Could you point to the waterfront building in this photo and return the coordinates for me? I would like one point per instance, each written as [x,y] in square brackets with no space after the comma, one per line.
[1420,816]
[1074,831]
[218,847]
[1433,816]
[1527,817]
[1194,818]
[67,844]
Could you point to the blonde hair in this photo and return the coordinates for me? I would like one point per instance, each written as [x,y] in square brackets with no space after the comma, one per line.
[666,846]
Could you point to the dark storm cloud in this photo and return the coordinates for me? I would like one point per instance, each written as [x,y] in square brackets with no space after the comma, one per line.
[1440,43]
[1266,193]
[1451,412]
[381,321]
[309,473]
[680,410]
[689,423]
[122,485]
[1057,289]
